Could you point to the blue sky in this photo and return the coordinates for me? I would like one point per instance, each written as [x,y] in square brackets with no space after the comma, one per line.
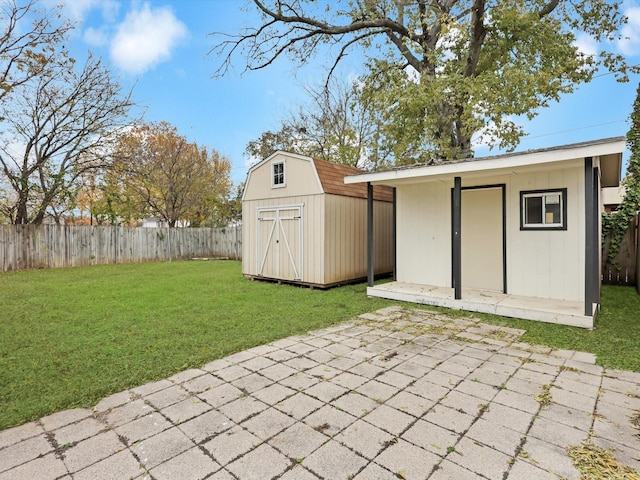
[160,49]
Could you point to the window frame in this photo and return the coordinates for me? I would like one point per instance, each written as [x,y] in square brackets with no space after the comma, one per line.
[543,193]
[282,174]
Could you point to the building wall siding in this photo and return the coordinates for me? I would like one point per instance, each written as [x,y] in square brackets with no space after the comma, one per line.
[300,180]
[424,233]
[547,264]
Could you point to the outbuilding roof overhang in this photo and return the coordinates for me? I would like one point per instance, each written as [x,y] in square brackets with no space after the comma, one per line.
[608,150]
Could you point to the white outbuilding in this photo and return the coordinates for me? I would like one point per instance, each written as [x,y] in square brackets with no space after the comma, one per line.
[302,224]
[515,235]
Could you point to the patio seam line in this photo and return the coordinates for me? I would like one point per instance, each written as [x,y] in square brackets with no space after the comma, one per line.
[595,408]
[450,337]
[523,440]
[480,413]
[54,444]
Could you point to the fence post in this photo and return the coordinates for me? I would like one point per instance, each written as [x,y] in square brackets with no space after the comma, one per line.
[49,245]
[236,244]
[169,240]
[115,243]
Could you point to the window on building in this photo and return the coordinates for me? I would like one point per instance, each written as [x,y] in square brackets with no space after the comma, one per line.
[278,175]
[543,210]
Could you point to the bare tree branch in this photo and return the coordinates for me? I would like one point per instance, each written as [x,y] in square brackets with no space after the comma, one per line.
[62,123]
[343,53]
[25,52]
[548,8]
[266,44]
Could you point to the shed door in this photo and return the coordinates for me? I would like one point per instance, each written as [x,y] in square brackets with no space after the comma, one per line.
[482,239]
[280,242]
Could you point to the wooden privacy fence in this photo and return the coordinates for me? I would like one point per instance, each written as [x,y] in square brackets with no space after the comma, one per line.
[50,246]
[627,259]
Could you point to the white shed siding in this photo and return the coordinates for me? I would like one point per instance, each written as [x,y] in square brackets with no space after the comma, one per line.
[423,233]
[300,180]
[346,238]
[547,264]
[345,233]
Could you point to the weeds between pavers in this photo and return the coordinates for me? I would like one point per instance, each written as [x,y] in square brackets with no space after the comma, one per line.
[544,398]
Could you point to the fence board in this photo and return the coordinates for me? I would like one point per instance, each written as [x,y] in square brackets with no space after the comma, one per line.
[627,259]
[52,246]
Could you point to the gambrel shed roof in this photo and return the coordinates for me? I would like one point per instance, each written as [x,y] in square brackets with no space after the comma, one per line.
[323,177]
[332,175]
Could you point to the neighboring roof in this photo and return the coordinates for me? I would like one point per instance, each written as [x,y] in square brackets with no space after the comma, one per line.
[609,150]
[332,175]
[613,195]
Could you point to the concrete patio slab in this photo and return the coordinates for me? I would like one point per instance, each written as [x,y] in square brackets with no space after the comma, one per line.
[563,312]
[396,393]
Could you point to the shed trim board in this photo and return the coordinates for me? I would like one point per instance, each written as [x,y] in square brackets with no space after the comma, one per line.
[370,227]
[541,263]
[393,235]
[592,288]
[456,240]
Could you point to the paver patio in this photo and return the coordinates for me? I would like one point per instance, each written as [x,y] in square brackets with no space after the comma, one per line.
[398,393]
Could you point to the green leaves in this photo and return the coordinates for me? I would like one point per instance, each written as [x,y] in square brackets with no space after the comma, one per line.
[440,73]
[616,224]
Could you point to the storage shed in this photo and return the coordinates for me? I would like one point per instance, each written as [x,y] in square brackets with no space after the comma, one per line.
[516,235]
[302,224]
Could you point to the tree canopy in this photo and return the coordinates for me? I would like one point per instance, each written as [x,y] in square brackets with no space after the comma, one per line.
[57,126]
[439,71]
[158,172]
[28,41]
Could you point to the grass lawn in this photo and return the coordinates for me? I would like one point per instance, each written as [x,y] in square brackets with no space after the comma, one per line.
[615,339]
[72,336]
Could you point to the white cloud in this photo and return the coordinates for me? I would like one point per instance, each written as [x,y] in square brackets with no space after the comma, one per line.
[630,43]
[77,10]
[145,38]
[412,74]
[586,44]
[96,37]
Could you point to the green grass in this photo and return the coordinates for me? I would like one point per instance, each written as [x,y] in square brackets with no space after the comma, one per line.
[72,336]
[615,339]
